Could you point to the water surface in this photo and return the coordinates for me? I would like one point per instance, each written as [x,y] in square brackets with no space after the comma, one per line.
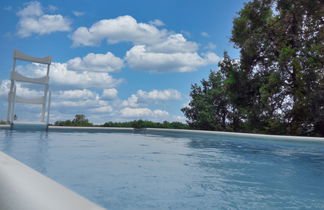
[175,171]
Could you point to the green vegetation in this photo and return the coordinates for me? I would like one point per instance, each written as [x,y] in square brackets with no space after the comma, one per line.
[277,86]
[81,120]
[147,124]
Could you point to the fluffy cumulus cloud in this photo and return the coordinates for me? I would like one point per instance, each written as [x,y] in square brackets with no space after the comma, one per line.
[96,62]
[64,102]
[75,94]
[123,28]
[60,75]
[168,94]
[155,96]
[102,109]
[140,58]
[175,43]
[154,50]
[110,93]
[97,107]
[142,112]
[32,20]
[21,90]
[127,29]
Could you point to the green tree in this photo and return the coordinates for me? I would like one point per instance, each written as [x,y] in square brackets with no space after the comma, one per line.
[208,107]
[79,120]
[277,86]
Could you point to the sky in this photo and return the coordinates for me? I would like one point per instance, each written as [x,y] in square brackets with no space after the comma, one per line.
[114,60]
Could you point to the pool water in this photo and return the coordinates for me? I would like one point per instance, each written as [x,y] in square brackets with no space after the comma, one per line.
[175,171]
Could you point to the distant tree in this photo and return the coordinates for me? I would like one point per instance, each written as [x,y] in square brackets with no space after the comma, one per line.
[79,120]
[147,124]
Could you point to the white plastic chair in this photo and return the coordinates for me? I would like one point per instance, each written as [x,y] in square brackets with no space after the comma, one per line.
[17,77]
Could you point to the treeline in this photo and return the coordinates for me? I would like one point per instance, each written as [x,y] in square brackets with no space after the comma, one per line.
[277,85]
[147,124]
[81,120]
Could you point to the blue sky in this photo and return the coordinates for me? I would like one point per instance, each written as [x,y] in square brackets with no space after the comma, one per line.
[115,60]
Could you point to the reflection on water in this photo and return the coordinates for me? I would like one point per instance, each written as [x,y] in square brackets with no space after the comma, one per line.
[29,145]
[174,171]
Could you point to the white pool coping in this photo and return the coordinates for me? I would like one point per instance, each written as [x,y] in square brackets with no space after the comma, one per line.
[246,135]
[23,188]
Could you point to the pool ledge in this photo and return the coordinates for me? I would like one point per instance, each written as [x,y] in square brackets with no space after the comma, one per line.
[244,135]
[308,139]
[22,188]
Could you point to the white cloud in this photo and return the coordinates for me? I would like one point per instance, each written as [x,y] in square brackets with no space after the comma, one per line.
[82,101]
[180,118]
[67,103]
[174,43]
[144,97]
[61,76]
[109,93]
[78,13]
[96,62]
[132,101]
[142,112]
[32,9]
[32,20]
[86,103]
[21,90]
[127,29]
[204,34]
[168,94]
[102,109]
[154,50]
[74,94]
[140,59]
[123,28]
[156,22]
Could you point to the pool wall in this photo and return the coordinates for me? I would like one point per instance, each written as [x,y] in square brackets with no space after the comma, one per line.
[22,188]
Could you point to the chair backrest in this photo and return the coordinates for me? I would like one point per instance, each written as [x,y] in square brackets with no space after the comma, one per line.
[18,55]
[16,76]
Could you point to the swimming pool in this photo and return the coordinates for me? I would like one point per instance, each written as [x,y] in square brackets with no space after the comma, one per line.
[163,170]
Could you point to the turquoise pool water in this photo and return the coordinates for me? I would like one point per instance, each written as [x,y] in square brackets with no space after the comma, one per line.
[175,171]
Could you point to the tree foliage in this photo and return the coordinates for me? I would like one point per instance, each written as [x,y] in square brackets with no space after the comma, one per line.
[79,120]
[147,124]
[277,86]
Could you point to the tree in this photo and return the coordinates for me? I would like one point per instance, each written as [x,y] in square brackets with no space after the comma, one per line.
[277,86]
[79,120]
[207,109]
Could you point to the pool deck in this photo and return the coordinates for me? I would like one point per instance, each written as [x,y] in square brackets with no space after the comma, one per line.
[319,140]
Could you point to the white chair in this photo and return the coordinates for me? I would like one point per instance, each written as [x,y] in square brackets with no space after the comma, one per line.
[17,77]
